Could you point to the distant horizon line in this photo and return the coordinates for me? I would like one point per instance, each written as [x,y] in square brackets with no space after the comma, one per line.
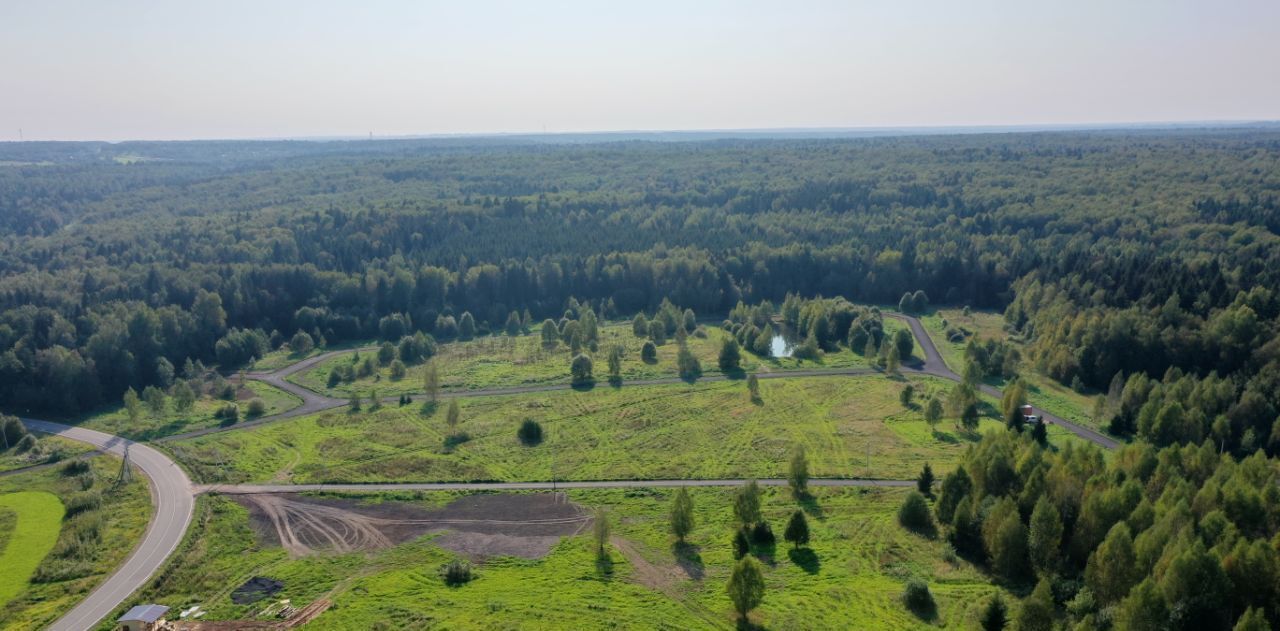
[822,131]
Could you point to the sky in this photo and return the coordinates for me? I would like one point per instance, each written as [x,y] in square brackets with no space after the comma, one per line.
[167,70]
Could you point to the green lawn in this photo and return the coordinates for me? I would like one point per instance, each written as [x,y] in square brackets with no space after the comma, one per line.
[102,524]
[854,577]
[30,534]
[151,426]
[501,361]
[703,430]
[1044,392]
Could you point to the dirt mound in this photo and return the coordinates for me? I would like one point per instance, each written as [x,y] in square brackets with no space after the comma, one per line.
[255,589]
[478,526]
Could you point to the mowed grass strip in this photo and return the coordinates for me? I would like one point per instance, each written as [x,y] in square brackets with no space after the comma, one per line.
[851,575]
[850,427]
[36,520]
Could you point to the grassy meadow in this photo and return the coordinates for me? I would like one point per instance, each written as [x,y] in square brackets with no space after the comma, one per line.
[703,430]
[850,576]
[501,361]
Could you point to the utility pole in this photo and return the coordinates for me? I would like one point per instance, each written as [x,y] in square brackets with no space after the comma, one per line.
[126,474]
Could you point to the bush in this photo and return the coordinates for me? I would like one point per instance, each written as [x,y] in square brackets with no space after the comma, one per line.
[257,407]
[581,370]
[649,352]
[530,432]
[229,412]
[456,572]
[398,370]
[919,599]
[762,534]
[914,514]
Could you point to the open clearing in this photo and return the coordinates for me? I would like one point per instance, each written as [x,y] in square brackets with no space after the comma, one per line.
[850,576]
[478,526]
[31,533]
[107,523]
[501,361]
[850,427]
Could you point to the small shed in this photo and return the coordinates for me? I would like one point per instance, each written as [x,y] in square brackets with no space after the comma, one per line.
[143,618]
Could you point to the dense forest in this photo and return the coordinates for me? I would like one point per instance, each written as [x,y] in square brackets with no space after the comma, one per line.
[1139,264]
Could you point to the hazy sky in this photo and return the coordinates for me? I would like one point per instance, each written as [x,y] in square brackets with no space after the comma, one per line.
[230,69]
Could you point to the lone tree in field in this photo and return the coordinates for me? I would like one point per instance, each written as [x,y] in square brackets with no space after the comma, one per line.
[995,615]
[893,360]
[600,532]
[639,325]
[797,533]
[431,381]
[933,412]
[688,365]
[906,396]
[798,472]
[550,333]
[132,405]
[615,363]
[580,370]
[649,352]
[746,504]
[753,386]
[682,514]
[730,355]
[355,402]
[530,433]
[969,418]
[924,483]
[915,515]
[746,586]
[453,415]
[184,398]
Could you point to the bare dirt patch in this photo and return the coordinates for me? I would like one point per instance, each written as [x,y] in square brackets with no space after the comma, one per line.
[478,526]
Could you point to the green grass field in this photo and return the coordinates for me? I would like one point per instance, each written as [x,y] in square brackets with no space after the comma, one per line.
[30,534]
[501,361]
[1044,392]
[151,426]
[705,430]
[852,576]
[102,524]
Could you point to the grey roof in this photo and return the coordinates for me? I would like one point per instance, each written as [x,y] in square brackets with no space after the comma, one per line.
[145,613]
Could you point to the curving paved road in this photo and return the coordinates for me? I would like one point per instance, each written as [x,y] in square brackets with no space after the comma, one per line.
[934,365]
[173,498]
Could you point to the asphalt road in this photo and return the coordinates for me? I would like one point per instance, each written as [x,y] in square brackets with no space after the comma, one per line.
[173,498]
[173,495]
